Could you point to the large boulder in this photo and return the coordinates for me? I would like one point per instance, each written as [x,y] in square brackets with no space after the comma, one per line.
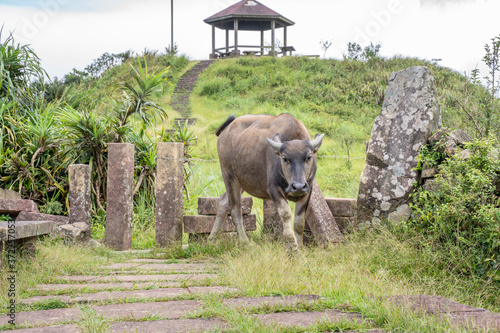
[410,113]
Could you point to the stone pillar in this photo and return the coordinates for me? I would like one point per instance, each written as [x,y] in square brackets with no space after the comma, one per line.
[410,114]
[79,194]
[272,222]
[320,220]
[169,182]
[119,206]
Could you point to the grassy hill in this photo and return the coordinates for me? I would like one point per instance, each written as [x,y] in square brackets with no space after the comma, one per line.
[340,98]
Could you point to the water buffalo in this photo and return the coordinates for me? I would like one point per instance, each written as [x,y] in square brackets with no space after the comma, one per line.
[281,169]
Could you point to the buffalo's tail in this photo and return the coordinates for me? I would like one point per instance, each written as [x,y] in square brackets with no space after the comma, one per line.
[226,123]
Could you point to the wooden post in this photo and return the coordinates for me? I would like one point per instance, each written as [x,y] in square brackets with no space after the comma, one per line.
[169,183]
[273,28]
[119,205]
[227,40]
[236,35]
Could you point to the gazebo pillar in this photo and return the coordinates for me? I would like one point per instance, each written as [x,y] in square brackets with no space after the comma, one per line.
[212,56]
[236,51]
[227,40]
[284,41]
[262,42]
[273,35]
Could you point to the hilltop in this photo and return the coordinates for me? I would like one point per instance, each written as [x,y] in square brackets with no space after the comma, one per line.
[340,98]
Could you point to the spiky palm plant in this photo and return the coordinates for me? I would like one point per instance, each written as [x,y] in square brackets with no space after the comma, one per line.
[137,98]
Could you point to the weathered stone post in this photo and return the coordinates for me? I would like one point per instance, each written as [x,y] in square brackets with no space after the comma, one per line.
[169,183]
[409,115]
[119,205]
[271,221]
[79,194]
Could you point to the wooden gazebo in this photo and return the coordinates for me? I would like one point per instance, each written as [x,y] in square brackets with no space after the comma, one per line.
[249,15]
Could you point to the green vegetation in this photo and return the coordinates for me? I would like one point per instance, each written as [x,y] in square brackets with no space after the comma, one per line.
[461,217]
[45,126]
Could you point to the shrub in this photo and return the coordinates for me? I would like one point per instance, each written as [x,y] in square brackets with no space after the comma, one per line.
[461,217]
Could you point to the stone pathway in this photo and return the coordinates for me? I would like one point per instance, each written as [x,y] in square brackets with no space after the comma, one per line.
[150,295]
[182,92]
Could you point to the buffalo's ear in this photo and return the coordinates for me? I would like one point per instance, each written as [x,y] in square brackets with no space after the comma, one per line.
[276,143]
[316,142]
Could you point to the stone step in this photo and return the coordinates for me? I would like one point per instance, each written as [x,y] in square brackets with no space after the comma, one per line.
[138,278]
[200,224]
[164,310]
[124,311]
[182,121]
[170,326]
[210,205]
[62,288]
[15,206]
[51,329]
[133,294]
[303,319]
[178,268]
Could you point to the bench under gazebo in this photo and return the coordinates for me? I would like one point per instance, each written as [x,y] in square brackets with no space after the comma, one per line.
[249,15]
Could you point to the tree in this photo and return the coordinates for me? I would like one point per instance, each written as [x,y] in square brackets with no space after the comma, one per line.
[480,103]
[325,45]
[491,59]
[357,52]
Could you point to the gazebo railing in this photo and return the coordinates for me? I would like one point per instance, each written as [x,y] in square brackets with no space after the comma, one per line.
[245,49]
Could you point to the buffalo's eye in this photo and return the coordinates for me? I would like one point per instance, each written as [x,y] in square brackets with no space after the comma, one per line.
[286,160]
[309,158]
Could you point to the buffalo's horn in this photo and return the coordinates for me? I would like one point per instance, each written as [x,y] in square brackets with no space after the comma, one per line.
[275,142]
[316,142]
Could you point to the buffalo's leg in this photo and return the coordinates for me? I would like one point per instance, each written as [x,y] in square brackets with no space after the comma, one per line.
[222,212]
[285,214]
[234,196]
[300,219]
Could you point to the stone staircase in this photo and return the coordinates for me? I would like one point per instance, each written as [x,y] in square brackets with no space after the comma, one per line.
[182,92]
[158,295]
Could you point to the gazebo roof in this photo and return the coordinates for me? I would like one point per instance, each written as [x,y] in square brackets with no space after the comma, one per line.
[251,15]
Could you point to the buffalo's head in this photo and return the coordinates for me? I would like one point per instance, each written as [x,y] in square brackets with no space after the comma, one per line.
[298,162]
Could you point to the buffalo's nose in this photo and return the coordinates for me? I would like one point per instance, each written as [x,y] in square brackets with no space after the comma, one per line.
[299,187]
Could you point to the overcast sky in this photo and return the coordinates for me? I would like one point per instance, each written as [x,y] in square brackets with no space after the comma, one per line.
[69,34]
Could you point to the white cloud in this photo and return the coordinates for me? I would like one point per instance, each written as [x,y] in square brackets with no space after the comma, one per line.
[72,36]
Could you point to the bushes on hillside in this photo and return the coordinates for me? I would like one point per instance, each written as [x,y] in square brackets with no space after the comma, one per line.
[460,218]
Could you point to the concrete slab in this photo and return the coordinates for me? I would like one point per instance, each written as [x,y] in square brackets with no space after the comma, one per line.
[169,326]
[199,224]
[43,317]
[303,319]
[255,302]
[458,314]
[184,267]
[33,216]
[24,229]
[140,278]
[170,310]
[51,329]
[15,206]
[60,287]
[112,295]
[213,290]
[210,205]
